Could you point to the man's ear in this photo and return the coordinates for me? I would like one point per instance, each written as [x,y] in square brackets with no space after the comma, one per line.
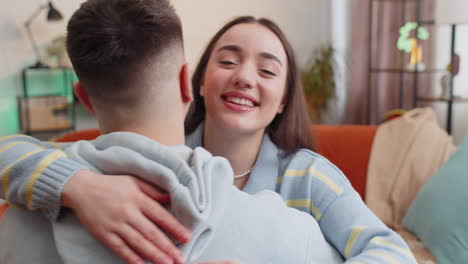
[83,96]
[185,84]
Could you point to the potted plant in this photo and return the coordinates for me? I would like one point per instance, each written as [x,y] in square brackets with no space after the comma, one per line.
[318,80]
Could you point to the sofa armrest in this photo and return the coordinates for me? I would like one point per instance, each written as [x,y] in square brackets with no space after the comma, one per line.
[419,250]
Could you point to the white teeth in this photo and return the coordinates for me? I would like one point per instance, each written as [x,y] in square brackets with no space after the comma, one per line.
[240,101]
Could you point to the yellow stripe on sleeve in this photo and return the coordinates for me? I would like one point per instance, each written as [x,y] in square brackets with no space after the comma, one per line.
[295,172]
[55,145]
[316,212]
[329,182]
[298,203]
[305,203]
[37,172]
[5,148]
[381,241]
[10,136]
[6,174]
[292,173]
[315,173]
[352,239]
[383,255]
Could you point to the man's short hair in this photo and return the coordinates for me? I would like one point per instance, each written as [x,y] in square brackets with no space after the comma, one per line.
[111,42]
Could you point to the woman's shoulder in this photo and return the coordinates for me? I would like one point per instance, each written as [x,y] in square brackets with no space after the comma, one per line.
[310,182]
[304,158]
[314,164]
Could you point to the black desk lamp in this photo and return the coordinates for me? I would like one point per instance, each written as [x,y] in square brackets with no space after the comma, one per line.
[52,15]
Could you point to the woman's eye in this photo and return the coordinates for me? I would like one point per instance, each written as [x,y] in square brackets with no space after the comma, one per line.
[268,72]
[226,63]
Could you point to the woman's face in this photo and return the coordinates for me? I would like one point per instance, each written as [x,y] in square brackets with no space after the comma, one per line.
[245,79]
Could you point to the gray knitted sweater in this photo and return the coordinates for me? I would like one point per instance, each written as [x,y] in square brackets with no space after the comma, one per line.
[226,223]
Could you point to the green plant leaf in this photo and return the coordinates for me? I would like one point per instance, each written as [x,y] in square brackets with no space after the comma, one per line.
[318,80]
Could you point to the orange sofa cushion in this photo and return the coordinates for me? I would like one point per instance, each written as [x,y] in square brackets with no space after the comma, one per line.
[348,147]
[3,208]
[85,134]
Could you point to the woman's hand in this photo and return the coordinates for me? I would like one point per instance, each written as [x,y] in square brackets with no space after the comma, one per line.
[124,213]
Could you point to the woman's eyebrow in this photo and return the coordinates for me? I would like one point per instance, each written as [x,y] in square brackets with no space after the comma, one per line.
[270,56]
[230,47]
[264,54]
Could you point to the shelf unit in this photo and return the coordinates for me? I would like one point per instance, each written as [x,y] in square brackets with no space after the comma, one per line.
[450,100]
[48,111]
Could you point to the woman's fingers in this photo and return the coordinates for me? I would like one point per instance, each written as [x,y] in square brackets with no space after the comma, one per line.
[141,245]
[159,241]
[153,191]
[160,216]
[128,255]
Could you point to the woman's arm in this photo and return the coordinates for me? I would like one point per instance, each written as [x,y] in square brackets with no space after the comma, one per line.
[121,211]
[359,235]
[313,184]
[33,173]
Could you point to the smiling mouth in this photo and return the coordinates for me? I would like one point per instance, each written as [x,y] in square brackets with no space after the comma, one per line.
[240,101]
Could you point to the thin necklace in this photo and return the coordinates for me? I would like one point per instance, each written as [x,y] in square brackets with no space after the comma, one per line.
[237,176]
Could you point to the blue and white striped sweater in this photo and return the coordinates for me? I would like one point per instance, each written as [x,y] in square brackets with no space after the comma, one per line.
[310,183]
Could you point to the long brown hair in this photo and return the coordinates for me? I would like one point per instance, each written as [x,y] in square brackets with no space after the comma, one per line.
[289,130]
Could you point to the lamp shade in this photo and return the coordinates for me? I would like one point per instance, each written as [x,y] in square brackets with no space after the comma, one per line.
[451,12]
[53,14]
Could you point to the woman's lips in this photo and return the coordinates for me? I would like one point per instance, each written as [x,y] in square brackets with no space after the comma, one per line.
[240,98]
[236,106]
[238,101]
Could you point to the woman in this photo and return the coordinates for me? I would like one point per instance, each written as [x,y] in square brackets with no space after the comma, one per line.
[249,108]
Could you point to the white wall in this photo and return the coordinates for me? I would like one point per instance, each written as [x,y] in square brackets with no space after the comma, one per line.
[305,22]
[302,21]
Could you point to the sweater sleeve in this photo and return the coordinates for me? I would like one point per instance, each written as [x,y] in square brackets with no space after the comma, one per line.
[359,235]
[321,189]
[33,173]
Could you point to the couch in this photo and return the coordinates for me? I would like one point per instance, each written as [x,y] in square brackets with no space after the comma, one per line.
[347,146]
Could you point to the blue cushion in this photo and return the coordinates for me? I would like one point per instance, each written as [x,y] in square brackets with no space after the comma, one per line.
[439,213]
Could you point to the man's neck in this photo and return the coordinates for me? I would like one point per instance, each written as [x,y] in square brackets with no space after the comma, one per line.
[162,131]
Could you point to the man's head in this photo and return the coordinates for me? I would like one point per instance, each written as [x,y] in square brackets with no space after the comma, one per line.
[128,55]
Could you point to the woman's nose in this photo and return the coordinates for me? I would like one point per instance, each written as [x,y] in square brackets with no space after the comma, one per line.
[244,77]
